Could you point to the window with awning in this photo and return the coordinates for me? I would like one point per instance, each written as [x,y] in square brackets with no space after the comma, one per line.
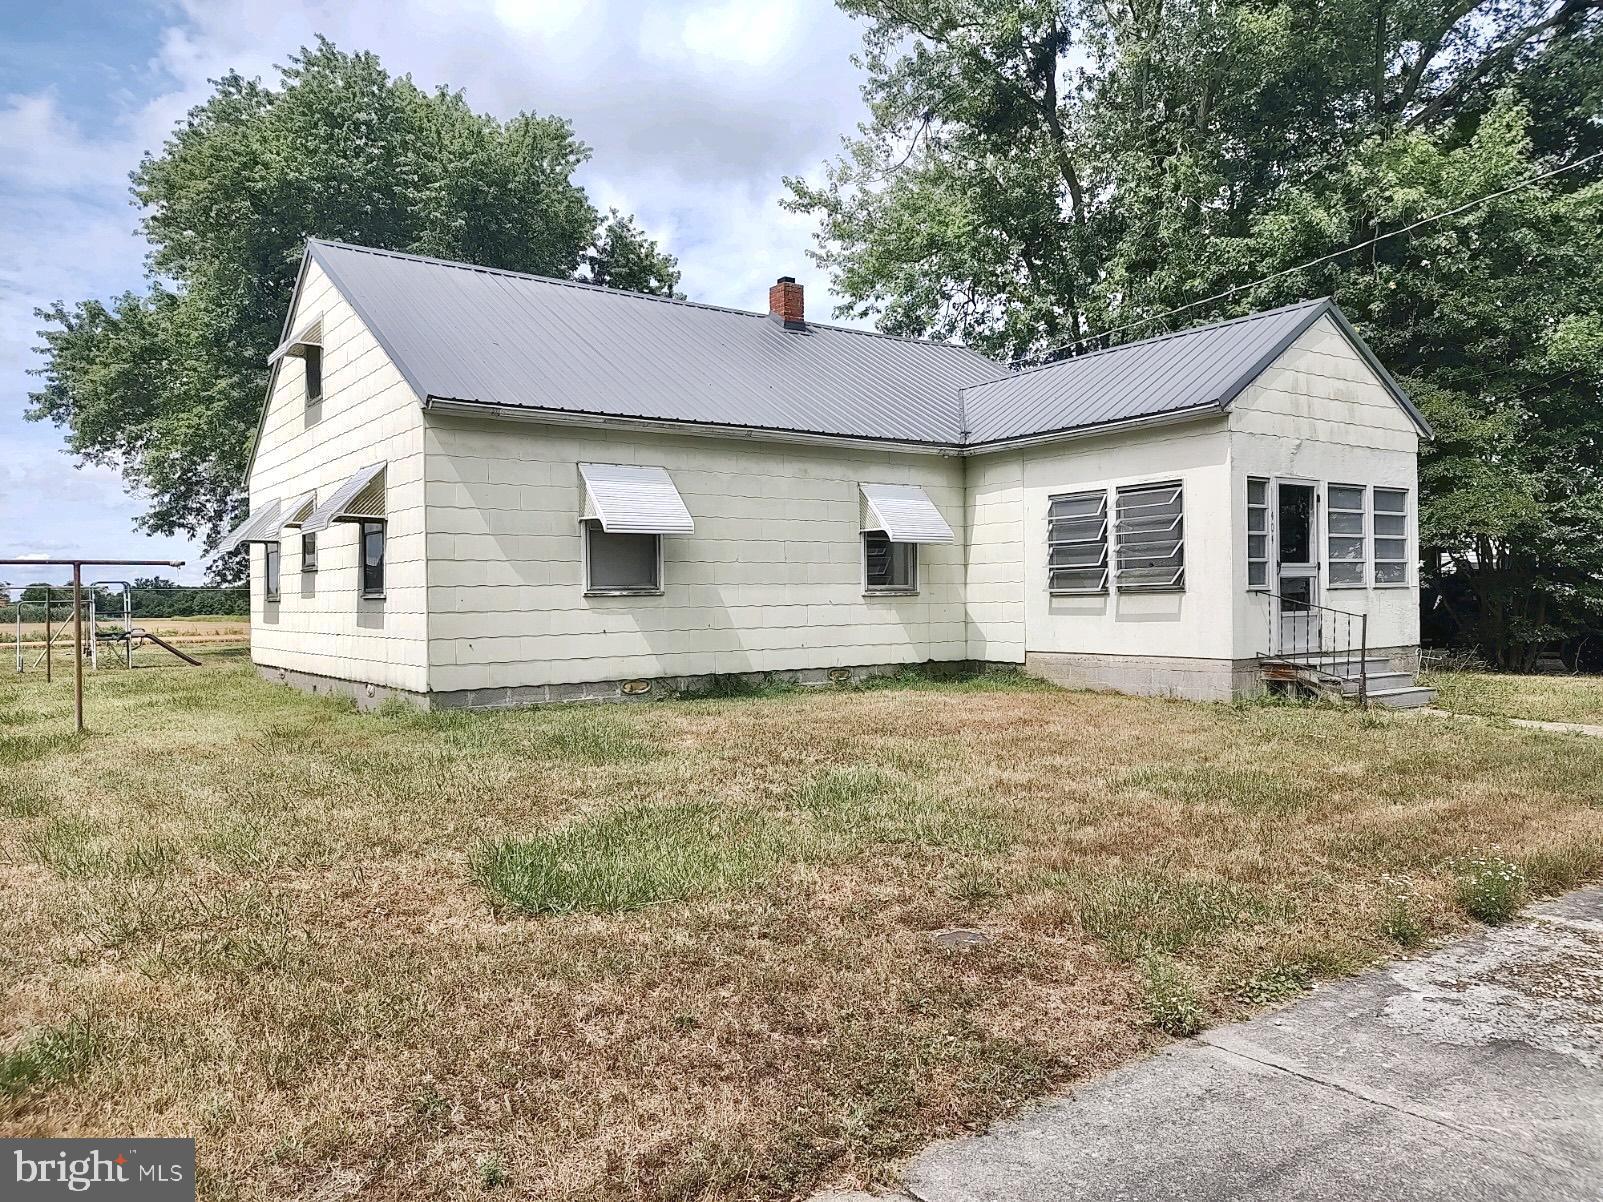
[261,527]
[903,513]
[360,498]
[628,499]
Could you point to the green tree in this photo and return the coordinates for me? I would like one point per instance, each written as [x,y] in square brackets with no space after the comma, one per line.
[165,385]
[1039,178]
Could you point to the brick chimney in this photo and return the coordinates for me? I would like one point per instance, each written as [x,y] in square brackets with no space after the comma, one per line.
[785,303]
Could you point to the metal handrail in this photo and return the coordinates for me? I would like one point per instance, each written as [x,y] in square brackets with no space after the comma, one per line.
[1329,651]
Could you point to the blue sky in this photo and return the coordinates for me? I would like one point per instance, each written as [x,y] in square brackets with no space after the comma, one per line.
[695,110]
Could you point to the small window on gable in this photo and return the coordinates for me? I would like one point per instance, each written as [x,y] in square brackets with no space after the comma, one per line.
[1150,537]
[1344,517]
[889,567]
[1257,533]
[621,563]
[312,357]
[1391,536]
[1077,542]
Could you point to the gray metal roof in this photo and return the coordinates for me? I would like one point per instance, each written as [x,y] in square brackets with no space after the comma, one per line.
[461,333]
[1198,369]
[500,338]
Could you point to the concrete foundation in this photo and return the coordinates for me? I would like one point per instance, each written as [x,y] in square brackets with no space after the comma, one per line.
[1193,679]
[370,696]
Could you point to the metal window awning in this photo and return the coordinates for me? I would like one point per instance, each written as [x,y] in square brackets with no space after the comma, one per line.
[261,527]
[359,498]
[634,500]
[904,513]
[309,335]
[298,510]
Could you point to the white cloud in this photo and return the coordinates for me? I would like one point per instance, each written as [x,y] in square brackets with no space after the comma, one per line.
[694,111]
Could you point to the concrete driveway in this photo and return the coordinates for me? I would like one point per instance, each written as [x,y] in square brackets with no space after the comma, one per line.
[1473,1073]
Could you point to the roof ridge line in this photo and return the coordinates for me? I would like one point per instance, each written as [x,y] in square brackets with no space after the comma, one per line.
[1155,338]
[585,285]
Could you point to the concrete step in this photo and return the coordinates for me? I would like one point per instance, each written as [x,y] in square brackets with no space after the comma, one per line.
[1411,697]
[1378,682]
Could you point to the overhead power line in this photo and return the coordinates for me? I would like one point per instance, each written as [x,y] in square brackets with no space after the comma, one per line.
[1378,238]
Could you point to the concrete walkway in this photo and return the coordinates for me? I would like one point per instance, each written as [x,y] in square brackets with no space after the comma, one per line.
[1591,730]
[1473,1073]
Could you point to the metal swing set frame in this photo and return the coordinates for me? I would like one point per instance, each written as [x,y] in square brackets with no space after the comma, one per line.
[127,637]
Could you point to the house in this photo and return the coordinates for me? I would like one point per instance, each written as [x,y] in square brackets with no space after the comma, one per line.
[474,487]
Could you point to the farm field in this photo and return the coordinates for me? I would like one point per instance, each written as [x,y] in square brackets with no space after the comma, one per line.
[688,949]
[174,630]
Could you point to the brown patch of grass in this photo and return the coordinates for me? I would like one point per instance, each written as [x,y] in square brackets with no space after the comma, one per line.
[682,950]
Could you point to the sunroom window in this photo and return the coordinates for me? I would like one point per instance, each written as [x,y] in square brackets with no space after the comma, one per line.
[1149,535]
[1077,542]
[1344,517]
[1391,536]
[1257,533]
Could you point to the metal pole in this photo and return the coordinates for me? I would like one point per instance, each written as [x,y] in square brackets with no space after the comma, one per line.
[49,640]
[94,643]
[77,644]
[1363,660]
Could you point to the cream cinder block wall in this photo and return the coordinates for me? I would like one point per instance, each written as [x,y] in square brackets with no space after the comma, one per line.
[1319,413]
[321,624]
[994,580]
[771,580]
[1185,625]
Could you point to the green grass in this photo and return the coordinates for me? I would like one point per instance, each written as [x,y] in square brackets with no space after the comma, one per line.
[1544,698]
[633,857]
[686,948]
[47,1058]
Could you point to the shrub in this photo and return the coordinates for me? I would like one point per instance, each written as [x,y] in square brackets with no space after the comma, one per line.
[1491,887]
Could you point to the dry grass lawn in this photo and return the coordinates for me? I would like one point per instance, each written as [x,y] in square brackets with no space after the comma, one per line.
[1500,695]
[683,950]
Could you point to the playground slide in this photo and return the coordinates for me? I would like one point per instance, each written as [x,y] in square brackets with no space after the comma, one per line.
[165,646]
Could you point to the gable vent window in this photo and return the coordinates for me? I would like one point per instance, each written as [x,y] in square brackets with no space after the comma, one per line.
[1257,533]
[1077,542]
[1149,538]
[1391,536]
[1344,516]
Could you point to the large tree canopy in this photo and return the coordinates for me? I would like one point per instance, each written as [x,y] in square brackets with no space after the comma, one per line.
[1041,177]
[166,385]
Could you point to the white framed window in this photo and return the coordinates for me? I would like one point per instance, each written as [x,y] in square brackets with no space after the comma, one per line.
[312,358]
[373,539]
[270,573]
[1150,538]
[1257,532]
[888,566]
[308,554]
[1390,536]
[621,564]
[1077,542]
[1346,535]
